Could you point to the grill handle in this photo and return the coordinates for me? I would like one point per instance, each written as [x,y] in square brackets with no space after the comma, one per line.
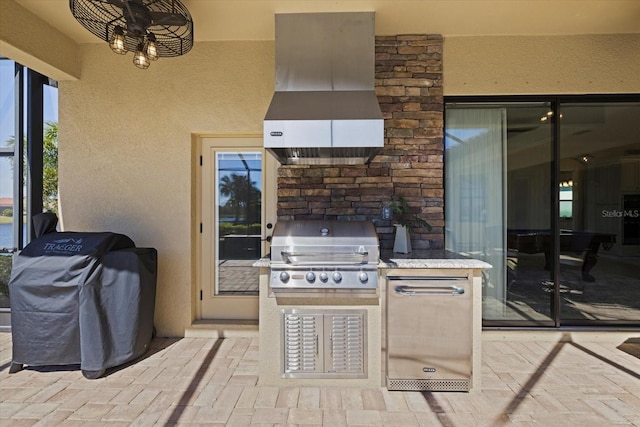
[321,258]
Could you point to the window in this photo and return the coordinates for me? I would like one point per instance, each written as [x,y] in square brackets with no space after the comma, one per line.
[28,160]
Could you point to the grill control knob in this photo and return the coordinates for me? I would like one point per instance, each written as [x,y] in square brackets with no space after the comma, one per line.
[324,277]
[284,277]
[310,276]
[364,278]
[337,277]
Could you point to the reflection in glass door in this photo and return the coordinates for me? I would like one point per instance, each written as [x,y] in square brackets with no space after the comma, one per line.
[599,193]
[530,243]
[238,228]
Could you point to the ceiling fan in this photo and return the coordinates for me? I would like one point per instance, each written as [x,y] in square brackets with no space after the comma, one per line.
[150,28]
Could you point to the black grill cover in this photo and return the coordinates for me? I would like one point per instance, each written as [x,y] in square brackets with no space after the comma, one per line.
[82,298]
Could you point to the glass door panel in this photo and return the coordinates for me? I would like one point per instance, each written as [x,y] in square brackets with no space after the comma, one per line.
[498,164]
[7,245]
[7,141]
[238,227]
[474,199]
[530,240]
[599,193]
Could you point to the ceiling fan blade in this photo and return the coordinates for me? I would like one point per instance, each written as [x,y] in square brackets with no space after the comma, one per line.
[167,19]
[119,3]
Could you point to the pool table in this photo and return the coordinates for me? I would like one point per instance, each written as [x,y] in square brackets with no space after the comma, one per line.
[581,242]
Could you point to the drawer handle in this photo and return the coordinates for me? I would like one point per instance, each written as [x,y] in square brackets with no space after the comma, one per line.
[429,290]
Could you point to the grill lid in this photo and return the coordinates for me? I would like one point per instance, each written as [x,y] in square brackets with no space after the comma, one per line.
[324,242]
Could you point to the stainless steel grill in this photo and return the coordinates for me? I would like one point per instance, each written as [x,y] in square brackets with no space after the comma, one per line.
[324,256]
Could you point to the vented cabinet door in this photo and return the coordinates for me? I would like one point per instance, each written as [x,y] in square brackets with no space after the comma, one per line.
[302,341]
[345,346]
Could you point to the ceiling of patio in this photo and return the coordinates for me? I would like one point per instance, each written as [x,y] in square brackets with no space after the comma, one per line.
[254,19]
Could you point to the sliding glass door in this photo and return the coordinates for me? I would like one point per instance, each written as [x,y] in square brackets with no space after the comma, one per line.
[599,212]
[548,192]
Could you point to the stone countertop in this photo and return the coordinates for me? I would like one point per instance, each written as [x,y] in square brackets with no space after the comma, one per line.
[415,259]
[263,262]
[429,259]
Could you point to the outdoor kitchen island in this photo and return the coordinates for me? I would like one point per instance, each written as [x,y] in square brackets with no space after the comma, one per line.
[365,315]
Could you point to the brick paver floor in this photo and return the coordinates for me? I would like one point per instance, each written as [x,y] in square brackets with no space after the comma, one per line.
[200,381]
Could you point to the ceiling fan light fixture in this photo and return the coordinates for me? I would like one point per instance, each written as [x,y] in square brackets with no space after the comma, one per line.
[140,58]
[117,41]
[151,48]
[164,27]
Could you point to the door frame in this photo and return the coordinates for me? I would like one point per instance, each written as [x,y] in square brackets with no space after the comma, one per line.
[247,306]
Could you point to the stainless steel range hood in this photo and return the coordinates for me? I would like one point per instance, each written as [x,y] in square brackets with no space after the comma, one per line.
[324,110]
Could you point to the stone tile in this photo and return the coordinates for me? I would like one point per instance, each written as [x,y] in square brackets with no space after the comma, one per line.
[24,422]
[605,411]
[330,398]
[334,417]
[373,399]
[243,379]
[20,394]
[35,410]
[7,409]
[270,416]
[430,419]
[48,392]
[91,411]
[267,397]
[247,398]
[352,398]
[398,419]
[145,397]
[56,418]
[288,397]
[425,402]
[394,400]
[239,420]
[124,413]
[305,416]
[309,398]
[147,418]
[211,414]
[178,414]
[363,418]
[74,402]
[207,395]
[126,395]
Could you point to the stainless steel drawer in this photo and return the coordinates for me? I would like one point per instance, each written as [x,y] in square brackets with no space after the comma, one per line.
[429,333]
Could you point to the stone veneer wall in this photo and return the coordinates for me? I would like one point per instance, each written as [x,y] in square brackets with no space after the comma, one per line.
[409,88]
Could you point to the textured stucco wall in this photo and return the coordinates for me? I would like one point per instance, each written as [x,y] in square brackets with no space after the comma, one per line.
[126,150]
[542,64]
[29,40]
